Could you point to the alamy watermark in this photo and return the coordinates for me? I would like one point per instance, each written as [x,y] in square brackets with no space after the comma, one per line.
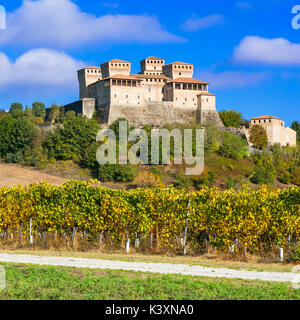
[296,19]
[2,18]
[187,144]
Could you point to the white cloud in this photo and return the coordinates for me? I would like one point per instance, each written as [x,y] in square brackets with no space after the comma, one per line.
[39,68]
[243,5]
[195,24]
[278,51]
[61,23]
[233,79]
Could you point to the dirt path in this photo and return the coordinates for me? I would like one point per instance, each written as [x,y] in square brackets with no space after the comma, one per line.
[11,174]
[162,268]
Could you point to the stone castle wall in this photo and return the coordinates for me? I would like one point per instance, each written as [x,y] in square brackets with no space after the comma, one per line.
[152,114]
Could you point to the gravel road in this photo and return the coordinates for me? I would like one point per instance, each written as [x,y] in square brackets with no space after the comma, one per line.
[162,268]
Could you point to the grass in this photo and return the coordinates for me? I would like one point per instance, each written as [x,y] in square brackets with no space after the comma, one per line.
[254,262]
[29,282]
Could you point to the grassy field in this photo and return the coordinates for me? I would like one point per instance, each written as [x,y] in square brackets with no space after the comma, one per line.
[29,282]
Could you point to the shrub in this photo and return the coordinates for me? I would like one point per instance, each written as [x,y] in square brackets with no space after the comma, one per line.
[147,179]
[285,177]
[205,179]
[234,147]
[125,173]
[14,158]
[183,181]
[296,176]
[264,172]
[9,158]
[116,173]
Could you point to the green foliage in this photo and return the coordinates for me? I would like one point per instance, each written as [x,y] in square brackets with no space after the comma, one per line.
[212,138]
[258,136]
[39,110]
[285,177]
[264,171]
[16,132]
[231,118]
[234,147]
[72,140]
[116,173]
[296,127]
[183,181]
[16,107]
[296,176]
[54,113]
[14,158]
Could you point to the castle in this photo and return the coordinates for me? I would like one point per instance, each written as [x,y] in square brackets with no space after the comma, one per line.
[276,130]
[160,94]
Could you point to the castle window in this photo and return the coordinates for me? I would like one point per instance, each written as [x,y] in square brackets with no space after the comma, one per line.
[180,73]
[127,96]
[190,87]
[114,82]
[115,95]
[123,82]
[119,82]
[134,83]
[138,97]
[149,89]
[177,86]
[184,87]
[269,121]
[149,99]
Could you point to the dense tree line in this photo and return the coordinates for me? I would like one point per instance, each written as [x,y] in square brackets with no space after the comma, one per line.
[74,138]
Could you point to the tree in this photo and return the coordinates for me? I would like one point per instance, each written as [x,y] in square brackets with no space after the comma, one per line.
[72,140]
[233,146]
[39,110]
[258,136]
[231,118]
[16,107]
[54,113]
[16,133]
[296,127]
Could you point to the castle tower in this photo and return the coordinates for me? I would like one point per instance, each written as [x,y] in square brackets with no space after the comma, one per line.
[207,111]
[86,77]
[115,67]
[152,66]
[178,69]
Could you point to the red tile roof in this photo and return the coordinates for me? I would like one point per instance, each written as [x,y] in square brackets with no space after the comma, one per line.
[265,117]
[154,58]
[187,80]
[116,61]
[178,62]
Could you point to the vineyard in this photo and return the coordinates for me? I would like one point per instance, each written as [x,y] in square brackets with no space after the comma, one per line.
[153,219]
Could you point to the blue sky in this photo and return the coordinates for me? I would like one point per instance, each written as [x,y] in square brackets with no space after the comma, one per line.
[247,50]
